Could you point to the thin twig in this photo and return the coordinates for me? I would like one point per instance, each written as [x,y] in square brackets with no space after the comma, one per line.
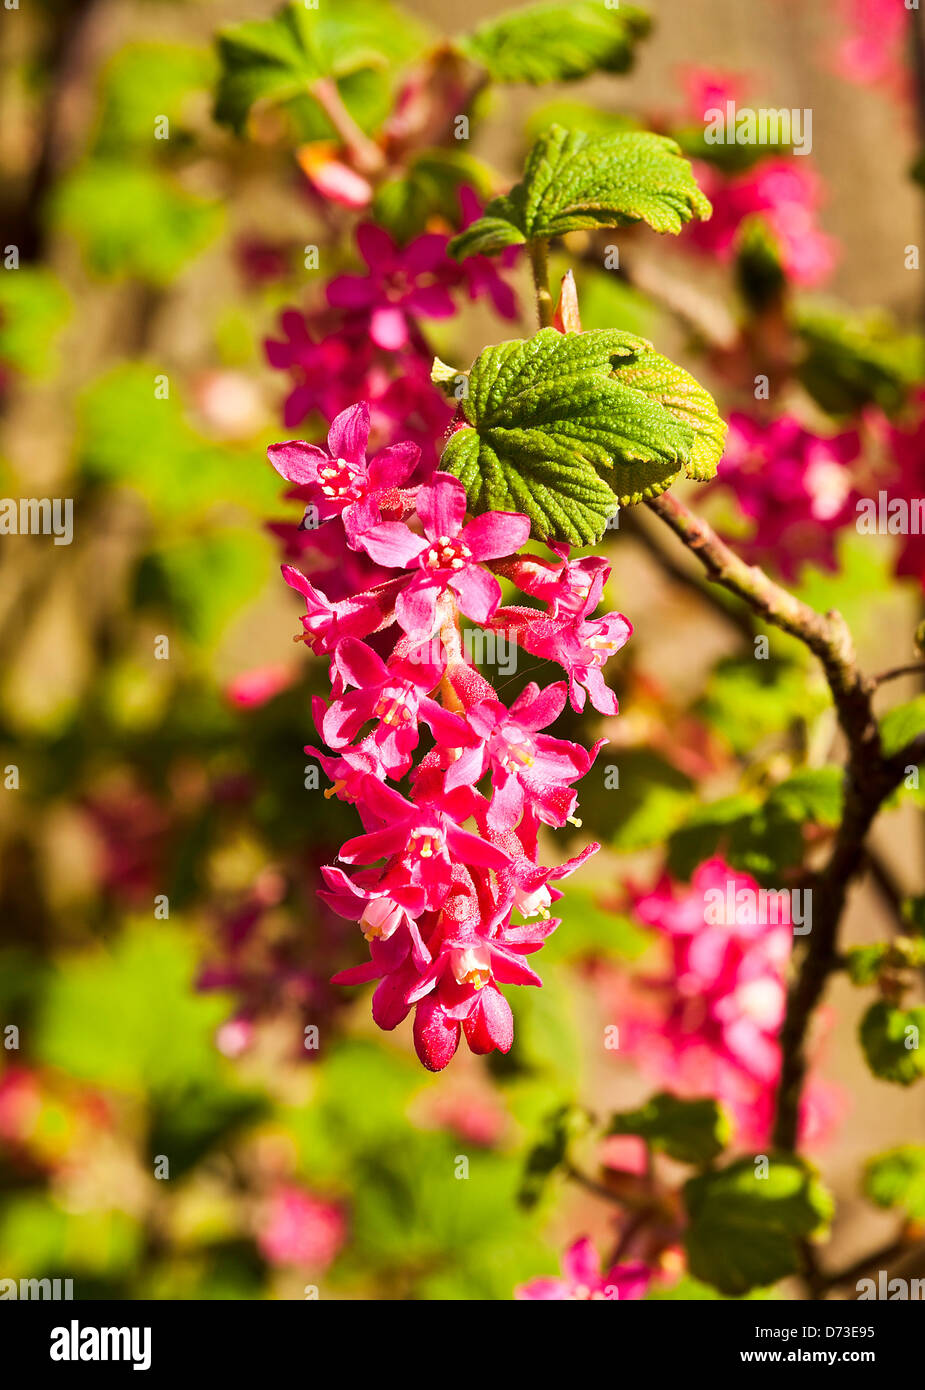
[869,778]
[915,668]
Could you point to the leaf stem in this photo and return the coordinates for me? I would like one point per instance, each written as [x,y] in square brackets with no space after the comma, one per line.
[366,153]
[539,263]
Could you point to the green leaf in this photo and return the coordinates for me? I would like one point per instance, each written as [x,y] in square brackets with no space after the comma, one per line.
[690,1131]
[855,359]
[592,929]
[144,81]
[574,181]
[133,220]
[913,910]
[34,306]
[814,794]
[275,60]
[127,435]
[759,838]
[892,1039]
[745,1229]
[428,188]
[686,401]
[902,724]
[550,1151]
[557,429]
[865,962]
[129,1017]
[207,580]
[897,1179]
[747,702]
[555,42]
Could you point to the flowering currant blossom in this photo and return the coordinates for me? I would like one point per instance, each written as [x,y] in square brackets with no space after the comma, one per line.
[582,1278]
[339,480]
[795,487]
[445,880]
[709,1026]
[401,284]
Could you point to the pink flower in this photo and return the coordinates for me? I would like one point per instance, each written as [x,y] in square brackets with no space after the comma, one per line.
[705,88]
[794,486]
[253,688]
[423,842]
[402,283]
[786,194]
[529,769]
[325,622]
[581,646]
[331,177]
[709,1025]
[582,1278]
[396,696]
[297,1228]
[874,51]
[480,273]
[447,555]
[338,481]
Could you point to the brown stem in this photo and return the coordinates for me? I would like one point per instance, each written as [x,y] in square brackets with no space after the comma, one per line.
[736,617]
[869,778]
[915,668]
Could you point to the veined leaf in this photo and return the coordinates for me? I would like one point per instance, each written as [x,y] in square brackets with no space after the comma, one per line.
[893,1043]
[746,1221]
[897,1179]
[278,59]
[556,43]
[689,1131]
[574,181]
[559,429]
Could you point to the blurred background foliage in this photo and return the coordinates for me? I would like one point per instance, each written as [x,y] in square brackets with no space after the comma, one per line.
[133,381]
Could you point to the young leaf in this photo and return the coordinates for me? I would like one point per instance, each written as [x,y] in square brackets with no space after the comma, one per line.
[557,429]
[897,1179]
[855,359]
[274,60]
[556,43]
[893,1043]
[550,1151]
[574,181]
[746,1222]
[134,221]
[690,1131]
[902,724]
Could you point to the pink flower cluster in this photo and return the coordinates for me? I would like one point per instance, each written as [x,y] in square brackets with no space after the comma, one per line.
[443,866]
[366,342]
[709,1026]
[787,196]
[795,487]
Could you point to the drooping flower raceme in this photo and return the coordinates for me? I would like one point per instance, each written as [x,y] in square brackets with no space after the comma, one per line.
[444,880]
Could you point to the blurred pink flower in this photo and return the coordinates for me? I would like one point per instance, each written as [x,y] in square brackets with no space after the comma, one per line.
[787,195]
[257,687]
[873,52]
[582,1279]
[795,487]
[709,1025]
[297,1228]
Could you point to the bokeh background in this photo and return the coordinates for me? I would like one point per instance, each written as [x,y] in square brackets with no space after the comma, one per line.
[133,380]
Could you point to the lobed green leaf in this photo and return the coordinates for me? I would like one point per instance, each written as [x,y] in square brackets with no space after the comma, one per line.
[574,181]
